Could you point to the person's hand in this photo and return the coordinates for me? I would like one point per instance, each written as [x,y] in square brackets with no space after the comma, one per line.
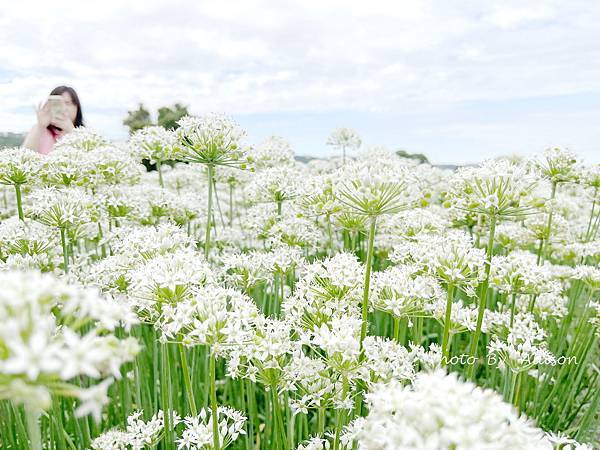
[62,121]
[44,115]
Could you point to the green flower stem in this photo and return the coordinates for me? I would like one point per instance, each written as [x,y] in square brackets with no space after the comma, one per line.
[244,407]
[291,422]
[403,329]
[252,411]
[589,226]
[75,424]
[358,402]
[213,400]
[230,204]
[63,241]
[278,427]
[57,421]
[578,291]
[447,319]
[532,302]
[160,176]
[510,382]
[506,382]
[19,201]
[267,427]
[166,398]
[365,308]
[544,252]
[578,348]
[346,239]
[33,428]
[100,236]
[187,380]
[340,419]
[139,399]
[208,212]
[396,329]
[478,234]
[155,359]
[418,331]
[571,380]
[281,293]
[125,401]
[512,308]
[595,227]
[218,203]
[516,389]
[303,428]
[329,234]
[321,421]
[589,418]
[539,252]
[482,297]
[365,302]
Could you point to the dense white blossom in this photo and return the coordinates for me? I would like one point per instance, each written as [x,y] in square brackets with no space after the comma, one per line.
[345,139]
[43,340]
[18,165]
[81,138]
[556,164]
[211,139]
[523,347]
[274,151]
[155,143]
[440,411]
[496,187]
[138,434]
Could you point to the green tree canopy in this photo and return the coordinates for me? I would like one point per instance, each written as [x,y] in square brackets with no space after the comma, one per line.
[418,156]
[168,117]
[137,119]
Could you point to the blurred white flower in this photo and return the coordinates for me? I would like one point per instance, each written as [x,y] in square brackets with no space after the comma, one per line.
[43,340]
[440,411]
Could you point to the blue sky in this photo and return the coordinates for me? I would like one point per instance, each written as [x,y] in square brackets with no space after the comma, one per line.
[460,81]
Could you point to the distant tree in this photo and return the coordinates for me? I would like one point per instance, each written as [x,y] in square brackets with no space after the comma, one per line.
[138,119]
[168,117]
[344,138]
[418,156]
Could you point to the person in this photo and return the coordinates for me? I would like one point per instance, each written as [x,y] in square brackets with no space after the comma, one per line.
[48,129]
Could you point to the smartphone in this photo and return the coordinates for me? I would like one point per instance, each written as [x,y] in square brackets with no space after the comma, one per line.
[56,104]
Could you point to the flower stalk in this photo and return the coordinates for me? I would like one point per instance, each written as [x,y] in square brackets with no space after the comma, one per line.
[482,296]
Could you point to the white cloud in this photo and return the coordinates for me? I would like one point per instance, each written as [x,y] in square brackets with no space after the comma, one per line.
[508,17]
[260,56]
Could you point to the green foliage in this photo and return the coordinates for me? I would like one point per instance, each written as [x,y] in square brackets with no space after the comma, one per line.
[418,156]
[168,117]
[137,119]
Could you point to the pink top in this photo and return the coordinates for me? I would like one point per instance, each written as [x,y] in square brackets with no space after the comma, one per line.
[47,140]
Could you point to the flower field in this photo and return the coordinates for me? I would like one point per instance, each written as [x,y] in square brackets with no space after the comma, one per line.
[236,298]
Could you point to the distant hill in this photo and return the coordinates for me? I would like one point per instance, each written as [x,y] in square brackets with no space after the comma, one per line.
[8,139]
[304,159]
[446,166]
